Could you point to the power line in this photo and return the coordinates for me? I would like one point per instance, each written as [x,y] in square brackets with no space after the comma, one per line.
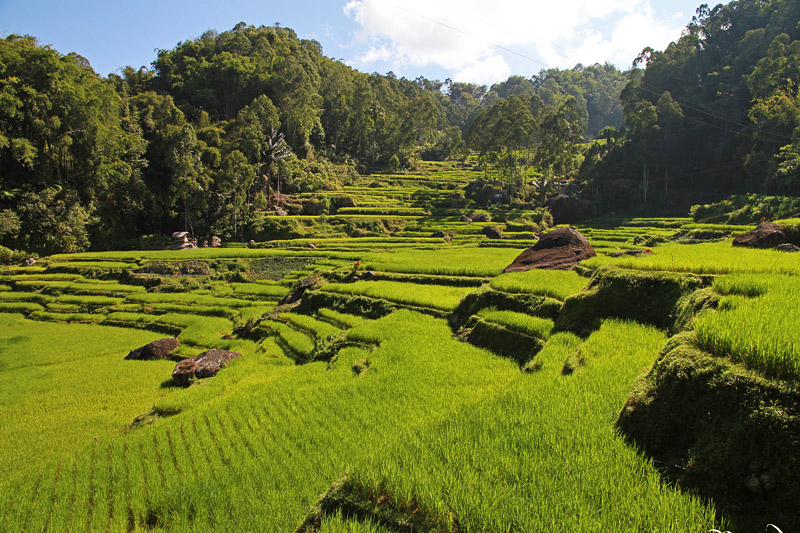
[722,117]
[481,17]
[465,33]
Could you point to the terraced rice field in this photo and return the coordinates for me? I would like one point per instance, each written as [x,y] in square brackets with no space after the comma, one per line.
[366,390]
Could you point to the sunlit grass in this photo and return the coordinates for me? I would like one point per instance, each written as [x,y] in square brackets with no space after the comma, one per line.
[757,326]
[558,284]
[442,297]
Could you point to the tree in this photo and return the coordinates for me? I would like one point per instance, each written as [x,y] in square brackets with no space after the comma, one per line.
[273,152]
[188,180]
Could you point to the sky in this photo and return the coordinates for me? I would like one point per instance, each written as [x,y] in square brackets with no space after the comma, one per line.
[479,41]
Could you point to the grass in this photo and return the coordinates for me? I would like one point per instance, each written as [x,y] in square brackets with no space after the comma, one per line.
[57,396]
[558,284]
[410,414]
[491,474]
[344,320]
[443,297]
[530,325]
[319,329]
[272,292]
[757,325]
[706,258]
[462,261]
[188,298]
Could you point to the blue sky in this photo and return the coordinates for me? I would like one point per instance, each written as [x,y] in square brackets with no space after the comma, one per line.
[466,40]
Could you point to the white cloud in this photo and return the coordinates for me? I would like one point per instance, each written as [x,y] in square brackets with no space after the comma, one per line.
[467,37]
[486,71]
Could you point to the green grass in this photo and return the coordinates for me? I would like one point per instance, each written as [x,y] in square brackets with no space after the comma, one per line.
[188,298]
[463,261]
[706,258]
[552,460]
[20,307]
[319,329]
[62,385]
[530,325]
[443,297]
[430,423]
[343,319]
[558,284]
[64,316]
[757,326]
[271,292]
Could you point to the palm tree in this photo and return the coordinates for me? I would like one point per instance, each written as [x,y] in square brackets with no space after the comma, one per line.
[274,150]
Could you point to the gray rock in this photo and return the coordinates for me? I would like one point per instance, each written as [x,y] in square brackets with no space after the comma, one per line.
[202,366]
[159,349]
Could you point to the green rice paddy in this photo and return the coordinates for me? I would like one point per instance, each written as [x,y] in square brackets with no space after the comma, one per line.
[371,391]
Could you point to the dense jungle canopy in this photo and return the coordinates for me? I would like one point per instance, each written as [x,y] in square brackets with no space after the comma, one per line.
[201,138]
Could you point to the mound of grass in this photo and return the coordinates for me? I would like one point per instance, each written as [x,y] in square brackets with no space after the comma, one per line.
[486,297]
[719,429]
[647,297]
[533,326]
[344,320]
[443,297]
[757,326]
[20,307]
[558,284]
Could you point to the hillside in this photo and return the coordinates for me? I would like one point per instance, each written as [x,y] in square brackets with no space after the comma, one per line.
[207,137]
[404,382]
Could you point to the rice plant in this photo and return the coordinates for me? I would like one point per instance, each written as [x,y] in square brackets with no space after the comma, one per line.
[759,331]
[442,297]
[558,284]
[530,325]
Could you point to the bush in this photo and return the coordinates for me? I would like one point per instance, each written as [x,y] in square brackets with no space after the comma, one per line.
[746,209]
[274,228]
[13,257]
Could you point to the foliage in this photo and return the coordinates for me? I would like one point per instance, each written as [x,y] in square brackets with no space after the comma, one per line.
[713,114]
[756,327]
[746,209]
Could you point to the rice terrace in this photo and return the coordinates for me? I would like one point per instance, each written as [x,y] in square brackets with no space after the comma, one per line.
[398,305]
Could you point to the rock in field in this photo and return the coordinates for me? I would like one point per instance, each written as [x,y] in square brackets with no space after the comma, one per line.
[766,235]
[204,365]
[492,232]
[159,349]
[560,249]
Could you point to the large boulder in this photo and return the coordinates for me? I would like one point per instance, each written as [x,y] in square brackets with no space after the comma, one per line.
[568,209]
[492,232]
[159,349]
[204,365]
[216,242]
[560,249]
[480,217]
[766,235]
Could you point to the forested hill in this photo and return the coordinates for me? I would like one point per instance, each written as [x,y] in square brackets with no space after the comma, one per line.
[200,139]
[715,113]
[195,141]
